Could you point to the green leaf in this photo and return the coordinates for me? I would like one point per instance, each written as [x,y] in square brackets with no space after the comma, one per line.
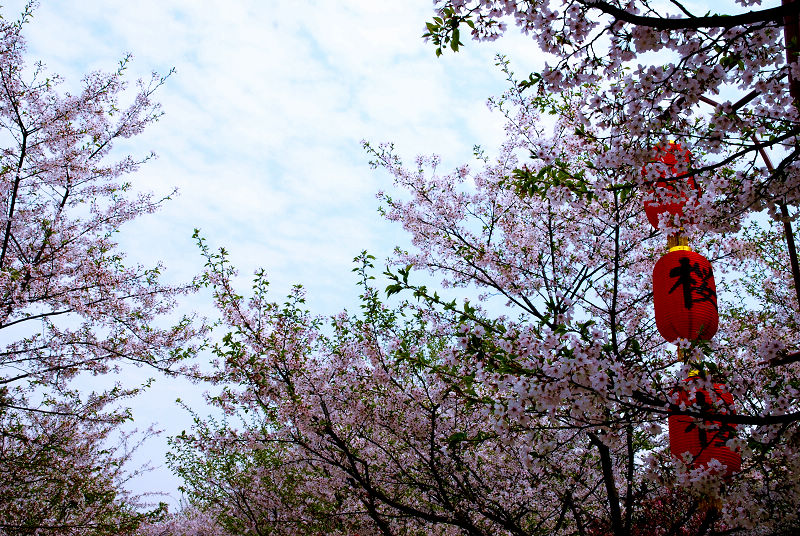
[456,438]
[454,40]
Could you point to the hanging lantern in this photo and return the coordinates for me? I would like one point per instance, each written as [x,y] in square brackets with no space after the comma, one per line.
[673,202]
[708,441]
[685,296]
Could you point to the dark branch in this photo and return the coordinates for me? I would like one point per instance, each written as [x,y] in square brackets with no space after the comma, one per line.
[785,360]
[713,21]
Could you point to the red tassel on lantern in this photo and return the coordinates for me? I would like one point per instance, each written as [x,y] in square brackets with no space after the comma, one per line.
[704,443]
[674,202]
[685,296]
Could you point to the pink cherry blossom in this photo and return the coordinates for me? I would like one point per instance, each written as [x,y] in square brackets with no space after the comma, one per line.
[70,305]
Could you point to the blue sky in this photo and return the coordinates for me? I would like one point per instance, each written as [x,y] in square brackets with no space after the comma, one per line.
[261,135]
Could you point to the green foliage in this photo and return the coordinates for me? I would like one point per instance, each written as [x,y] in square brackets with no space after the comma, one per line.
[443,31]
[557,175]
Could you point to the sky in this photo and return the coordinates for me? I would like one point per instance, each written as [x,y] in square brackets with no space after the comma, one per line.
[261,136]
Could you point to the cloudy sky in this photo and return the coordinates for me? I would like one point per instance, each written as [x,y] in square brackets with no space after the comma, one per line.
[263,119]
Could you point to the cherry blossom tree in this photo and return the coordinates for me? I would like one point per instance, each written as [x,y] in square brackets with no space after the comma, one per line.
[438,416]
[563,240]
[346,432]
[67,477]
[549,417]
[186,522]
[70,307]
[726,83]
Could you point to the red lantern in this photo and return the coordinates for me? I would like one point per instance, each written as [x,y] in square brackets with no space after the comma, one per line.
[685,296]
[704,442]
[674,202]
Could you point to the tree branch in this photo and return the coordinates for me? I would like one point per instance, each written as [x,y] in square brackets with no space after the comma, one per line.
[775,14]
[611,487]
